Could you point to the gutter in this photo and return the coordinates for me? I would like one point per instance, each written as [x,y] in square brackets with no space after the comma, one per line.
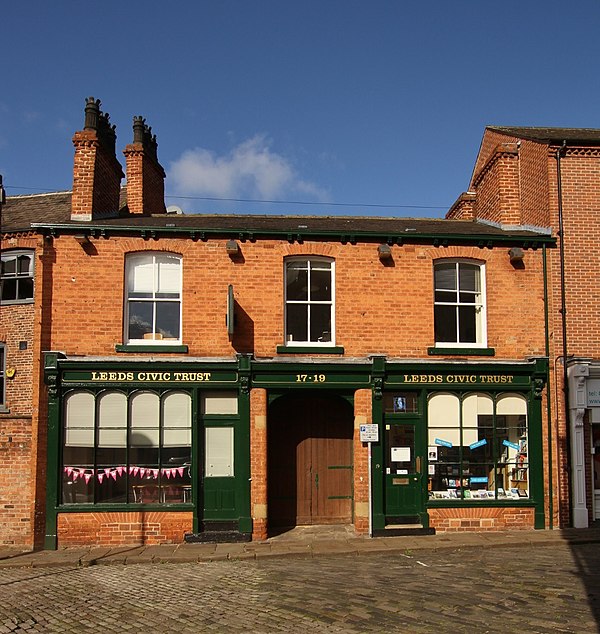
[563,312]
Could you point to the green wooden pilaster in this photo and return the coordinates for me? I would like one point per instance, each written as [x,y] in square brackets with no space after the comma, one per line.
[535,448]
[377,502]
[242,449]
[51,376]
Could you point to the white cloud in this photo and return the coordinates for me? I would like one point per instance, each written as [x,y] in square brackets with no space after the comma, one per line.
[249,170]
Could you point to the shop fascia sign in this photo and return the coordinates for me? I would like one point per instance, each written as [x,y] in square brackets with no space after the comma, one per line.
[593,392]
[148,376]
[457,379]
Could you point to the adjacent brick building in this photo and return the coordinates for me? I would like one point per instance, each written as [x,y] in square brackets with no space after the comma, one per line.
[550,177]
[226,376]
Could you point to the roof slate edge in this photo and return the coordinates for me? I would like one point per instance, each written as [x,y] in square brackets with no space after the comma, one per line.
[295,235]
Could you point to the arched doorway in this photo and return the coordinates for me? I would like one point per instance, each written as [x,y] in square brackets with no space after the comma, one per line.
[309,460]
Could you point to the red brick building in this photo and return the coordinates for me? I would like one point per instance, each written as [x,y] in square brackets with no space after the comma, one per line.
[550,177]
[225,377]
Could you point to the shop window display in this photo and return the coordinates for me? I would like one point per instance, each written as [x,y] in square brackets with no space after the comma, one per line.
[477,447]
[126,449]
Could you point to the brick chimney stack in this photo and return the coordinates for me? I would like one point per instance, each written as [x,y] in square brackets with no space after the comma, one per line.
[145,175]
[97,173]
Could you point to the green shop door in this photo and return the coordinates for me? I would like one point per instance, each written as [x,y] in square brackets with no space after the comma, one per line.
[403,477]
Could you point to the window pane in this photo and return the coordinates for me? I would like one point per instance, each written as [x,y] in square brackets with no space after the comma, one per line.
[140,276]
[320,285]
[111,475]
[79,419]
[320,322]
[297,284]
[9,266]
[400,455]
[145,413]
[24,265]
[445,276]
[468,277]
[140,319]
[219,403]
[445,323]
[25,288]
[297,322]
[219,452]
[445,296]
[167,319]
[169,278]
[468,324]
[112,420]
[468,298]
[9,289]
[400,403]
[177,430]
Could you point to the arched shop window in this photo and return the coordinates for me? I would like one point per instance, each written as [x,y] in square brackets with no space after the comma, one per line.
[477,447]
[120,449]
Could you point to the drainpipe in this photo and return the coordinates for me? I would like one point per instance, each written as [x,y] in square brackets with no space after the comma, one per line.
[563,311]
[548,395]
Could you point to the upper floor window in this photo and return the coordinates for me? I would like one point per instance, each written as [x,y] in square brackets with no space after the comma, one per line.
[309,302]
[153,298]
[459,313]
[16,280]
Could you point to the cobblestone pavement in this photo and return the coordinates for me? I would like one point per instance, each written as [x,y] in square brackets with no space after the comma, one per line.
[550,589]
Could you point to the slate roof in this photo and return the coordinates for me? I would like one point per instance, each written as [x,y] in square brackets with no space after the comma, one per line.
[45,211]
[20,211]
[579,136]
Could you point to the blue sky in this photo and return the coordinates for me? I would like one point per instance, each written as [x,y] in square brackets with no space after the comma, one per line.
[351,102]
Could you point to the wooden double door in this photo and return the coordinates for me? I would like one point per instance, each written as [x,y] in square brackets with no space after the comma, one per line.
[310,466]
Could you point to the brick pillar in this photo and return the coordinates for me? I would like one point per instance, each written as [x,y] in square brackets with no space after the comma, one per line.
[145,175]
[258,463]
[96,172]
[362,415]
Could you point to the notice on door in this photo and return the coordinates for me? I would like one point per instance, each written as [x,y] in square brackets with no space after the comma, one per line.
[400,454]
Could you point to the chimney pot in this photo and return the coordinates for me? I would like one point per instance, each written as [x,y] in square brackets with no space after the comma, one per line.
[92,112]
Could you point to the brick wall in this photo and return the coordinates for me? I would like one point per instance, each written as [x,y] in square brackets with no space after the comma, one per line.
[258,463]
[379,309]
[135,528]
[363,414]
[16,456]
[480,519]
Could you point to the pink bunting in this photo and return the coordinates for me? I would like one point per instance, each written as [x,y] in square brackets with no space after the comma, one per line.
[180,471]
[113,475]
[142,472]
[100,477]
[107,472]
[120,470]
[155,472]
[75,475]
[87,477]
[135,470]
[69,470]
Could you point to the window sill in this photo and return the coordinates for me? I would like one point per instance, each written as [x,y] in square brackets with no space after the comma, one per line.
[310,349]
[4,409]
[474,352]
[150,348]
[16,302]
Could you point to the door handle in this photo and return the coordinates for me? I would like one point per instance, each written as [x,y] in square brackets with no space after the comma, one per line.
[418,464]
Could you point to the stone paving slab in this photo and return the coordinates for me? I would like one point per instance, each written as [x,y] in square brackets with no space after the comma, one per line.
[307,546]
